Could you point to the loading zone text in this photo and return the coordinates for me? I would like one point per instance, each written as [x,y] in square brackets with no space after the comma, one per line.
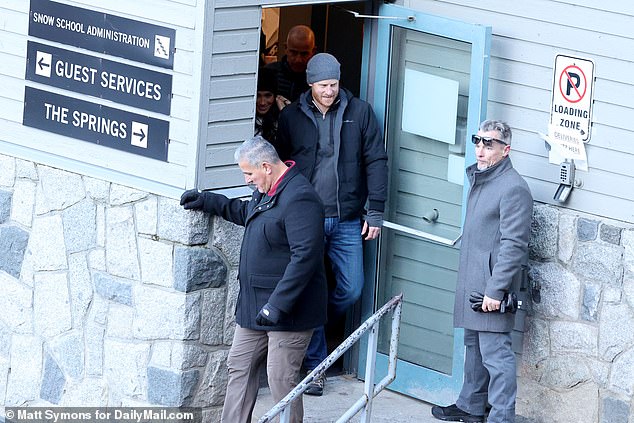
[565,122]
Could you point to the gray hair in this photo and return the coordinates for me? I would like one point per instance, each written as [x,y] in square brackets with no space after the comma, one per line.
[256,151]
[497,125]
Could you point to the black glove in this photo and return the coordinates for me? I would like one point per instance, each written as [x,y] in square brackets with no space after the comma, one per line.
[475,298]
[509,303]
[268,316]
[192,199]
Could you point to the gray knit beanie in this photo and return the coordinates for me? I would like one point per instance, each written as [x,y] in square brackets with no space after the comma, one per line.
[321,67]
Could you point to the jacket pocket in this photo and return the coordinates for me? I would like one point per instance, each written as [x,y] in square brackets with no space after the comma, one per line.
[487,266]
[262,287]
[490,264]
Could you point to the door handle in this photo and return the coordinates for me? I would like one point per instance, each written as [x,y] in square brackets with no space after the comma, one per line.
[431,216]
[422,234]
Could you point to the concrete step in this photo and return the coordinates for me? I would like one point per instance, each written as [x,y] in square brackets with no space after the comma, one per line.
[341,392]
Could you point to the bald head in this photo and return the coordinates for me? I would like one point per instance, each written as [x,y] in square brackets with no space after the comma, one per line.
[301,33]
[300,47]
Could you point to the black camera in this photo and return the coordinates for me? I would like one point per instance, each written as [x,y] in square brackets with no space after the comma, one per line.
[509,303]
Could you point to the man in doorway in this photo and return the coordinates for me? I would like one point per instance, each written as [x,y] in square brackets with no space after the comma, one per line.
[337,144]
[283,292]
[494,245]
[291,70]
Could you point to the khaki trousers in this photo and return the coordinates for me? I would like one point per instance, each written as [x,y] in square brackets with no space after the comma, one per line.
[283,352]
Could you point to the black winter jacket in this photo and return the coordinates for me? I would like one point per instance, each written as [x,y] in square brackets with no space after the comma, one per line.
[359,150]
[289,84]
[281,259]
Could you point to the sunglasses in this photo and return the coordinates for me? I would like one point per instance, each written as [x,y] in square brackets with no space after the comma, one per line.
[486,141]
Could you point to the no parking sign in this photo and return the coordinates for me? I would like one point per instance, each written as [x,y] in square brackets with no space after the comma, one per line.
[573,84]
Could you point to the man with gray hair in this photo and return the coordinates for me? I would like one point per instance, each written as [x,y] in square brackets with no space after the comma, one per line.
[494,246]
[283,293]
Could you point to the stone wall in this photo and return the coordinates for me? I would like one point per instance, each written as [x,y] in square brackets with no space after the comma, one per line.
[112,296]
[578,361]
[109,295]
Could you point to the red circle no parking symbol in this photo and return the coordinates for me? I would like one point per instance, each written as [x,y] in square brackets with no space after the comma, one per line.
[573,84]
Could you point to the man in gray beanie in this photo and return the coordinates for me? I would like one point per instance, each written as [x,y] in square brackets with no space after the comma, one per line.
[321,67]
[335,140]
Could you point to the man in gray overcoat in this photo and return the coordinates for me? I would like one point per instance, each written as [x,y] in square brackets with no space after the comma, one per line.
[494,246]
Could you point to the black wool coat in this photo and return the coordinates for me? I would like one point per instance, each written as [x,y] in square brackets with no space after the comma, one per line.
[281,259]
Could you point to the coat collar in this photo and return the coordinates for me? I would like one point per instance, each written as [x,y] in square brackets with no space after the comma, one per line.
[260,204]
[278,183]
[481,176]
[306,101]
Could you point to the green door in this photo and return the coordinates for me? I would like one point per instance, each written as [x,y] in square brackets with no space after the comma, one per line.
[430,93]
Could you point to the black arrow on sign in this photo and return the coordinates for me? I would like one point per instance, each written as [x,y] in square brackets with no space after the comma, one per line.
[42,64]
[141,134]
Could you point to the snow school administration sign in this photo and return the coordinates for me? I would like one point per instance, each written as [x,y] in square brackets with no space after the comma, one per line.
[102,32]
[573,84]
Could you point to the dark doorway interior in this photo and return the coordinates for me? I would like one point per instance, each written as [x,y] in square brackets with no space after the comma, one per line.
[337,31]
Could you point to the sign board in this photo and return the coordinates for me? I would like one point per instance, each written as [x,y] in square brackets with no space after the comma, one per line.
[573,84]
[102,32]
[566,145]
[96,123]
[98,77]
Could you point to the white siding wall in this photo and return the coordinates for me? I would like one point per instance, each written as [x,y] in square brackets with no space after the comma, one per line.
[526,38]
[167,178]
[231,92]
[215,79]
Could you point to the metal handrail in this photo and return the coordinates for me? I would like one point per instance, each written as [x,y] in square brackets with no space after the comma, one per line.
[370,389]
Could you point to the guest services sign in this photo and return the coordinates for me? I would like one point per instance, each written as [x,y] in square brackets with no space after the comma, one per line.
[97,77]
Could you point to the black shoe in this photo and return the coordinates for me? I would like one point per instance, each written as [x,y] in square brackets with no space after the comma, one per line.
[453,414]
[316,387]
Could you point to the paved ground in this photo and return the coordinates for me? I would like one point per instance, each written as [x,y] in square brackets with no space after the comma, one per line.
[341,392]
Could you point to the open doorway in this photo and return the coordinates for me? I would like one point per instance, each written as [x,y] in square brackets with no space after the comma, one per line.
[338,32]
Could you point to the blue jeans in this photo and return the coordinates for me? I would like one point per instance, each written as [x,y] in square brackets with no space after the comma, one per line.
[344,247]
